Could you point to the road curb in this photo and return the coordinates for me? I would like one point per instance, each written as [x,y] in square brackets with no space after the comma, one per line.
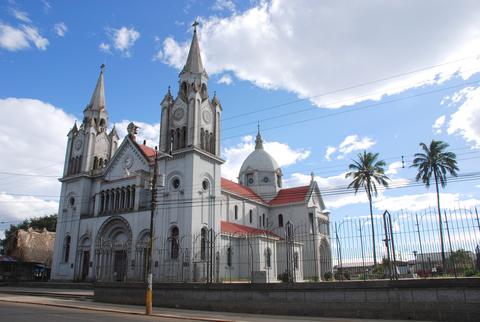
[172,316]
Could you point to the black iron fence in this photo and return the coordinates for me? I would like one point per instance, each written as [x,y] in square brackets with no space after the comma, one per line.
[391,245]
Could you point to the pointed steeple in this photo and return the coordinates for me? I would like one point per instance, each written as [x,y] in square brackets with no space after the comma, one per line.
[258,140]
[194,60]
[97,102]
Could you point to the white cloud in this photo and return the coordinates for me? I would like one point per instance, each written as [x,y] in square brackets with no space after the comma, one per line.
[20,15]
[60,29]
[278,44]
[417,202]
[439,122]
[17,208]
[221,5]
[148,132]
[354,143]
[104,48]
[466,120]
[225,79]
[14,39]
[350,144]
[123,39]
[393,168]
[330,150]
[281,152]
[34,36]
[33,136]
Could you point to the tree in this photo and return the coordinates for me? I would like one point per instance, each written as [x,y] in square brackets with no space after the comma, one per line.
[434,160]
[48,221]
[462,261]
[367,172]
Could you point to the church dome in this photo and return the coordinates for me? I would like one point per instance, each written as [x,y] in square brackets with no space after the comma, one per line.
[259,159]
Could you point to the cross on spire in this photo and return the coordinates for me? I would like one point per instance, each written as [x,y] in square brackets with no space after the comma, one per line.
[102,67]
[194,25]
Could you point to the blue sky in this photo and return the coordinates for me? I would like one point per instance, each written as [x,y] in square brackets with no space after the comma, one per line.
[332,76]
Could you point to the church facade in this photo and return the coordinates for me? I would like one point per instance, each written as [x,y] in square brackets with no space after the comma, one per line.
[205,227]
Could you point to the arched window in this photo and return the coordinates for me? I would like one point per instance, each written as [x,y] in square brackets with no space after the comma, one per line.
[174,243]
[79,164]
[179,139]
[236,212]
[66,248]
[184,137]
[207,144]
[132,198]
[250,215]
[280,220]
[102,201]
[100,163]
[184,90]
[95,163]
[122,199]
[263,220]
[172,141]
[203,244]
[229,256]
[107,201]
[202,138]
[295,260]
[127,199]
[268,258]
[212,144]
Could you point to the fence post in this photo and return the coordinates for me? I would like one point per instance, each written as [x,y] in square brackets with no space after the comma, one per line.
[450,243]
[421,247]
[361,245]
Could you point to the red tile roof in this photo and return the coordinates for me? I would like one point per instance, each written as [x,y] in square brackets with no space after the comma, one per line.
[290,195]
[240,190]
[241,230]
[148,151]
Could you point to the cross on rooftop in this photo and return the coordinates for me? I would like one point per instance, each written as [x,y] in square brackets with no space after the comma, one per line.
[195,24]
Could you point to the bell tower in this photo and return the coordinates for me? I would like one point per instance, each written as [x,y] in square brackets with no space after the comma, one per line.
[192,119]
[190,162]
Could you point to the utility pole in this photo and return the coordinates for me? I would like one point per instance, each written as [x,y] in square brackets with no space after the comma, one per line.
[148,298]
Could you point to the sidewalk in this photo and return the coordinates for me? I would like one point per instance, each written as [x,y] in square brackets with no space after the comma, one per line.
[40,297]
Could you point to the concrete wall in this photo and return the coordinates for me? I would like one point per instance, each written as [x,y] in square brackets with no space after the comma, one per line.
[440,300]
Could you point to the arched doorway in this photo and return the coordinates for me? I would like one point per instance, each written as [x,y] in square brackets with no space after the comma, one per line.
[112,250]
[83,258]
[141,255]
[325,258]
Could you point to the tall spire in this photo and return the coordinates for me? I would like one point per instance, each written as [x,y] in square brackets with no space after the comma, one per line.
[194,60]
[97,102]
[258,140]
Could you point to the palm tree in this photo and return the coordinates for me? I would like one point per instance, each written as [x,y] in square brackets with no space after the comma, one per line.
[435,160]
[367,172]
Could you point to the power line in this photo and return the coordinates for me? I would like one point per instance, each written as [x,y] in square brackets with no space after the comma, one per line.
[350,87]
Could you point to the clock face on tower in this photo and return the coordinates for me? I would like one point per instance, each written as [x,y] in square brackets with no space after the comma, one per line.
[207,116]
[78,144]
[178,114]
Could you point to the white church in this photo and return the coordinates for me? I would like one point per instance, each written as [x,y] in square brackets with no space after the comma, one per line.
[205,228]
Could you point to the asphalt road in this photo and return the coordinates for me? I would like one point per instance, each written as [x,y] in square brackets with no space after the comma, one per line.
[13,312]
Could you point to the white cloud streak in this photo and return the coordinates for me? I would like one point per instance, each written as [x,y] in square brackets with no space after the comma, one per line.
[15,39]
[466,120]
[60,29]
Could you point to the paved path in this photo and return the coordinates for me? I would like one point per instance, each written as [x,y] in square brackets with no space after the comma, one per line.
[52,305]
